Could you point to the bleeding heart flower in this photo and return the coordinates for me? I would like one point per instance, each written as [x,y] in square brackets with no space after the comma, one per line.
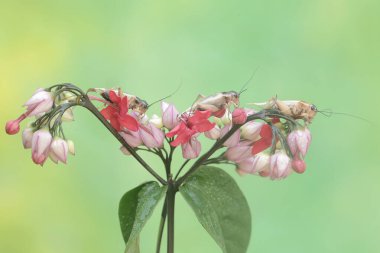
[191,149]
[299,141]
[27,136]
[41,146]
[279,165]
[234,138]
[117,113]
[42,101]
[59,150]
[151,136]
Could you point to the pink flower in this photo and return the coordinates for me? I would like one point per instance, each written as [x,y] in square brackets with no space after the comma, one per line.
[191,149]
[27,136]
[299,141]
[42,101]
[40,146]
[151,136]
[279,165]
[239,116]
[234,138]
[214,133]
[125,151]
[169,115]
[239,152]
[251,130]
[59,150]
[253,165]
[132,138]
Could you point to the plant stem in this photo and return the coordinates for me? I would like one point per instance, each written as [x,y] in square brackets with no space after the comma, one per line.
[162,225]
[170,197]
[87,104]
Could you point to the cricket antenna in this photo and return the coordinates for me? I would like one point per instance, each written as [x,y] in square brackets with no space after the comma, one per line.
[329,113]
[244,88]
[155,102]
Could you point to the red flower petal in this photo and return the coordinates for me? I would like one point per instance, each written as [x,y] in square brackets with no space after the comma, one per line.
[114,97]
[176,130]
[266,132]
[260,146]
[123,105]
[203,126]
[129,122]
[108,112]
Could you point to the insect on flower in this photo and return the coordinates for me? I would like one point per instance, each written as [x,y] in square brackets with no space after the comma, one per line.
[135,103]
[295,109]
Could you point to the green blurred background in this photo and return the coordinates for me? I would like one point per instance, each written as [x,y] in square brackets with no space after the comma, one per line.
[321,51]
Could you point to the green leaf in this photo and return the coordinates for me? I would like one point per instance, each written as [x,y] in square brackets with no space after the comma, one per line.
[220,207]
[135,208]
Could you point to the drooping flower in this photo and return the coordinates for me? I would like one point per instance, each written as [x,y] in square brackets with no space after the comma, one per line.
[280,165]
[251,130]
[254,165]
[299,141]
[132,138]
[151,136]
[41,146]
[59,150]
[42,101]
[117,113]
[71,146]
[191,149]
[169,115]
[27,136]
[197,123]
[239,152]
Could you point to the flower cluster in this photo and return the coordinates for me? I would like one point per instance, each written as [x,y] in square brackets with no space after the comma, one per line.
[45,135]
[270,143]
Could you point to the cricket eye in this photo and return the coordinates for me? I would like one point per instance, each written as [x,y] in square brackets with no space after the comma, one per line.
[313,108]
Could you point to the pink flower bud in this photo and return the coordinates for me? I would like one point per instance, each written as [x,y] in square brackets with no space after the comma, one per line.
[239,152]
[27,136]
[279,165]
[169,115]
[251,130]
[299,141]
[299,166]
[132,138]
[12,127]
[151,136]
[40,146]
[239,116]
[214,133]
[191,149]
[41,101]
[59,149]
[253,165]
